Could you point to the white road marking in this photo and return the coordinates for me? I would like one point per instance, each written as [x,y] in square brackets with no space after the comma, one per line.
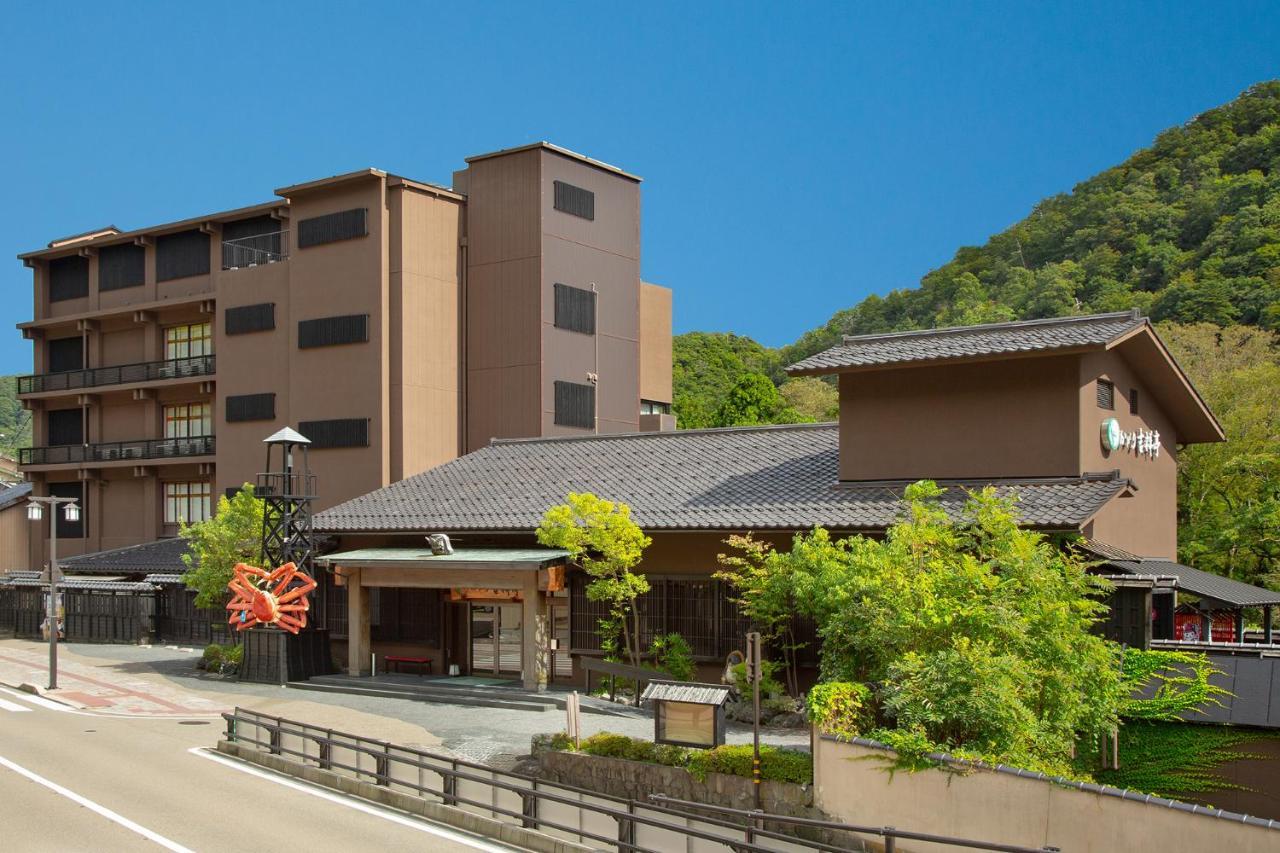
[358,805]
[94,807]
[13,706]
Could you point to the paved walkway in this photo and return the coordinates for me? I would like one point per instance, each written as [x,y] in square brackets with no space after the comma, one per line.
[163,681]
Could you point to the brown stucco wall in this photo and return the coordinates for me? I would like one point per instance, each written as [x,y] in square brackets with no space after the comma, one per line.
[1145,523]
[957,421]
[655,343]
[852,784]
[15,548]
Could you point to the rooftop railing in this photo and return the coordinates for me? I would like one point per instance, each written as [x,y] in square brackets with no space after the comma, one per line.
[116,451]
[255,251]
[94,377]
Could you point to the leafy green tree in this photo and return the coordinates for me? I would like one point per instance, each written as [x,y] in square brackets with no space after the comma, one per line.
[973,636]
[754,400]
[706,365]
[764,588]
[811,398]
[601,538]
[1229,492]
[214,546]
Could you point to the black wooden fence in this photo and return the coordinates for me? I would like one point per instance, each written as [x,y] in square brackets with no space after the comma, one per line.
[160,609]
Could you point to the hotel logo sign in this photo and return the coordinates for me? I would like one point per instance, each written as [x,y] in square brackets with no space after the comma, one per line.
[1141,442]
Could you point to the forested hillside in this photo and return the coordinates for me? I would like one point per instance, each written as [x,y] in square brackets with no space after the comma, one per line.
[1187,230]
[15,424]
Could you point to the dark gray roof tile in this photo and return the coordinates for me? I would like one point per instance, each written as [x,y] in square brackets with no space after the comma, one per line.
[162,555]
[753,478]
[1026,336]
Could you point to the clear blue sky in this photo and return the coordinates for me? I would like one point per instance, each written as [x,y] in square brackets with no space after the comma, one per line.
[797,156]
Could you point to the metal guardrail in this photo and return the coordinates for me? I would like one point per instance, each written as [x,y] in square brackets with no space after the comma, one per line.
[255,250]
[384,764]
[95,377]
[114,451]
[533,794]
[890,834]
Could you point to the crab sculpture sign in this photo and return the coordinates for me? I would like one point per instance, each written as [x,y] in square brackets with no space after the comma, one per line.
[265,598]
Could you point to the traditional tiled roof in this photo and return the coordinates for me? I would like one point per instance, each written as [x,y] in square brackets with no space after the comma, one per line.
[1194,581]
[1027,336]
[746,478]
[14,494]
[162,555]
[683,691]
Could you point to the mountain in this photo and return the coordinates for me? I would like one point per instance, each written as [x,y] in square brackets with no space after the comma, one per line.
[15,424]
[1187,230]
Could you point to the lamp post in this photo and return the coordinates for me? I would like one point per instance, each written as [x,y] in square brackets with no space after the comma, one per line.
[35,512]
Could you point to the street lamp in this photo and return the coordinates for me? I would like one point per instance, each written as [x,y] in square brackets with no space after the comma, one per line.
[35,512]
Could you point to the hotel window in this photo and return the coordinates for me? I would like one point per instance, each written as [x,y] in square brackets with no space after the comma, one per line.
[1133,401]
[649,407]
[70,529]
[188,420]
[1106,394]
[188,341]
[575,200]
[575,405]
[575,309]
[186,502]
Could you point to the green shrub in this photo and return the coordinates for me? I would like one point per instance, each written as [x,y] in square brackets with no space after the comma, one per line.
[842,708]
[220,659]
[673,656]
[782,765]
[770,686]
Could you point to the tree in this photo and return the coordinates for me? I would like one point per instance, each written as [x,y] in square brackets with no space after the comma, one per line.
[971,636]
[214,546]
[765,588]
[755,400]
[811,398]
[1229,492]
[602,539]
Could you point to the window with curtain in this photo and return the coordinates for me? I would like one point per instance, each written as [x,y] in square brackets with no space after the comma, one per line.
[187,341]
[188,420]
[187,502]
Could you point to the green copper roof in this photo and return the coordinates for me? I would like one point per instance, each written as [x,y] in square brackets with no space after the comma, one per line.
[477,558]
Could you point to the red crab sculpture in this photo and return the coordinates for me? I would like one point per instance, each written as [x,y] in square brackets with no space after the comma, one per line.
[264,598]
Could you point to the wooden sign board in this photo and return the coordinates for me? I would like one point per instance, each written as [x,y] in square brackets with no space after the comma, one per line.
[476,594]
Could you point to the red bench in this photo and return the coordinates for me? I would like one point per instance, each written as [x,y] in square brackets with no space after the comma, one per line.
[398,660]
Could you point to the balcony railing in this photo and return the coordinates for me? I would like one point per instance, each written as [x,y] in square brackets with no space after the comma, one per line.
[117,451]
[93,377]
[255,251]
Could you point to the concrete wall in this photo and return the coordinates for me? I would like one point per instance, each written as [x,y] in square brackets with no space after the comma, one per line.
[853,783]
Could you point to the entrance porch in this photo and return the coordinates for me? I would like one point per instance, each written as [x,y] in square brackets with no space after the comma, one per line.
[500,607]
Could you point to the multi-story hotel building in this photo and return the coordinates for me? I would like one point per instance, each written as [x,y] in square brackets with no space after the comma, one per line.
[397,324]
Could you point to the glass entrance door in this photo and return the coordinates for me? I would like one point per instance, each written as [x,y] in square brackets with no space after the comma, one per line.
[497,638]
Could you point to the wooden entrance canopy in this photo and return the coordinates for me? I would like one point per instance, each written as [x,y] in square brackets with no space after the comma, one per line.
[531,572]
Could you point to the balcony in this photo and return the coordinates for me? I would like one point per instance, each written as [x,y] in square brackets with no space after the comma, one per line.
[255,251]
[95,377]
[118,451]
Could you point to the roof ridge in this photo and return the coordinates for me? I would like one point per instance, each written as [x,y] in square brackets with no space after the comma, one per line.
[550,439]
[1133,314]
[135,547]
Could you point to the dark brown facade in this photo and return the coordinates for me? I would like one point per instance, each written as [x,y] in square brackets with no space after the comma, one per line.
[396,323]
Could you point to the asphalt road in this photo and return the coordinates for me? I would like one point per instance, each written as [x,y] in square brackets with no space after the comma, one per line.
[76,781]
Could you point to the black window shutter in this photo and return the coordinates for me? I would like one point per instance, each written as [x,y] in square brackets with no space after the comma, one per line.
[65,427]
[70,529]
[575,200]
[121,266]
[1133,401]
[341,432]
[332,227]
[575,405]
[68,278]
[181,255]
[575,309]
[1106,394]
[251,407]
[250,318]
[330,331]
[66,354]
